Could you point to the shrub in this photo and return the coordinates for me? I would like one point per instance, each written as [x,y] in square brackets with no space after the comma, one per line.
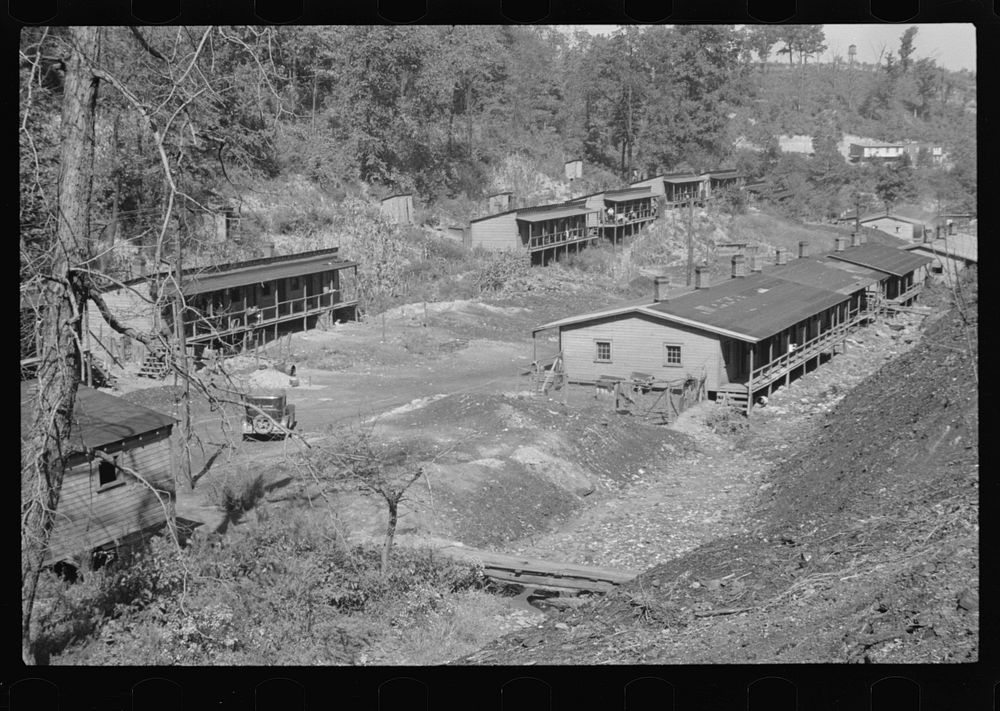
[237,493]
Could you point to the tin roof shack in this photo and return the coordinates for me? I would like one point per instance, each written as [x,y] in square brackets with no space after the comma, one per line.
[399,208]
[875,151]
[544,232]
[101,505]
[903,271]
[619,213]
[230,305]
[949,254]
[742,336]
[677,189]
[905,228]
[724,180]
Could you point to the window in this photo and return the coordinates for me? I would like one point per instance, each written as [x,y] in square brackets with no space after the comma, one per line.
[294,286]
[265,289]
[108,475]
[603,351]
[671,354]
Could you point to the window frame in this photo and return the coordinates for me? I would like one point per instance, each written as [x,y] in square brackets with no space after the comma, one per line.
[119,479]
[598,342]
[680,355]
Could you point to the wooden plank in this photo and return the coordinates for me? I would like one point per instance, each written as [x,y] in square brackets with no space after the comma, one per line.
[517,565]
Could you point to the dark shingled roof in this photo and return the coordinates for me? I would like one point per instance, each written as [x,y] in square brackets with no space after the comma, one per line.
[228,276]
[551,213]
[628,194]
[755,307]
[825,274]
[898,262]
[99,419]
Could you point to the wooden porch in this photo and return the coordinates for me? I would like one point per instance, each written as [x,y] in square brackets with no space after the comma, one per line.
[548,240]
[740,392]
[202,328]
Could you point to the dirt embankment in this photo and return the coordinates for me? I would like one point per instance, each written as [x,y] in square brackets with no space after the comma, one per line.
[862,545]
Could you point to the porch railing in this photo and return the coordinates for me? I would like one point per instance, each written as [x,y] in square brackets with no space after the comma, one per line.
[785,363]
[206,327]
[910,293]
[626,217]
[554,239]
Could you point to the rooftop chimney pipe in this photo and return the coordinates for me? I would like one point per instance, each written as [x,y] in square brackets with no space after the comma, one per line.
[660,284]
[802,248]
[855,240]
[700,277]
[838,244]
[269,247]
[756,262]
[739,266]
[781,256]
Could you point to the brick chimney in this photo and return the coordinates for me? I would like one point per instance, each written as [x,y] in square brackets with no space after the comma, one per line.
[781,256]
[863,237]
[739,266]
[855,239]
[660,285]
[803,245]
[269,249]
[756,262]
[700,277]
[838,244]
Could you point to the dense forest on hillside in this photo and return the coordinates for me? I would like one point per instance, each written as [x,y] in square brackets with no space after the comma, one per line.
[451,112]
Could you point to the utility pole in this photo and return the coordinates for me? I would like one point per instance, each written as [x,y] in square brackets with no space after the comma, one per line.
[690,259]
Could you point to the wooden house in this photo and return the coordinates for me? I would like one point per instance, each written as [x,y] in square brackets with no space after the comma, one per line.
[870,151]
[574,169]
[678,189]
[741,336]
[619,213]
[722,181]
[501,202]
[101,505]
[949,254]
[543,232]
[902,272]
[228,305]
[905,228]
[399,208]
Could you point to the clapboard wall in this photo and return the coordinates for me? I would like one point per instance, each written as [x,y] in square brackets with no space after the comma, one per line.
[497,233]
[638,345]
[89,516]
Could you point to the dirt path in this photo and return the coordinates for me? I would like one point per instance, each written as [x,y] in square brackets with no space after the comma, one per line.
[681,502]
[677,503]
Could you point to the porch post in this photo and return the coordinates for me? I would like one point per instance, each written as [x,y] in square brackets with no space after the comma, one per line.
[305,303]
[770,359]
[753,347]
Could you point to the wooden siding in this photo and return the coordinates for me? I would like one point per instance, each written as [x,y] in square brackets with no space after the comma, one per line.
[134,311]
[87,518]
[399,208]
[896,228]
[638,345]
[496,233]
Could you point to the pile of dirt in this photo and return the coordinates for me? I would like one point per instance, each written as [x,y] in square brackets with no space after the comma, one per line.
[863,546]
[514,466]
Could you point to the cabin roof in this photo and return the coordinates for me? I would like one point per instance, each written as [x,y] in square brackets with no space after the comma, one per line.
[960,246]
[748,308]
[255,271]
[99,419]
[684,178]
[628,194]
[890,216]
[495,215]
[898,262]
[755,306]
[539,214]
[825,274]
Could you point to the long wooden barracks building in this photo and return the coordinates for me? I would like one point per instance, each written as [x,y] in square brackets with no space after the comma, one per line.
[748,333]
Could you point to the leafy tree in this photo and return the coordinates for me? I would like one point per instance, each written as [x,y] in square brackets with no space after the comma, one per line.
[906,49]
[893,184]
[761,38]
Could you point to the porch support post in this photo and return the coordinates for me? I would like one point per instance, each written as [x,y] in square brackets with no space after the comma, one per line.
[753,347]
[770,359]
[305,303]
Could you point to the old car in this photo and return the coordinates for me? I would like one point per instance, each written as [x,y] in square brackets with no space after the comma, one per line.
[267,415]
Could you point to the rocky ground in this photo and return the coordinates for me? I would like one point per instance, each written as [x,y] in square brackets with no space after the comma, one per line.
[860,543]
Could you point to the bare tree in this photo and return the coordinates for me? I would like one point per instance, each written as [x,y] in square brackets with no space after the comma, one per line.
[383,469]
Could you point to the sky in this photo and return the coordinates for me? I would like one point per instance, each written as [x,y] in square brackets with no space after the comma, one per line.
[952,46]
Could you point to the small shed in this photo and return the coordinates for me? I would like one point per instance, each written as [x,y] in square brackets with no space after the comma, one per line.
[101,505]
[574,169]
[399,208]
[950,253]
[501,202]
[905,228]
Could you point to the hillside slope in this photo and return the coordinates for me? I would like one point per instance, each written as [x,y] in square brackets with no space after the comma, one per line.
[863,545]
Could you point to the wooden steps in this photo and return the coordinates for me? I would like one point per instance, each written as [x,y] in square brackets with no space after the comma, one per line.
[155,365]
[736,397]
[544,574]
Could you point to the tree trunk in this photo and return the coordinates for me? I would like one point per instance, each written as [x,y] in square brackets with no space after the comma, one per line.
[468,114]
[390,533]
[59,367]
